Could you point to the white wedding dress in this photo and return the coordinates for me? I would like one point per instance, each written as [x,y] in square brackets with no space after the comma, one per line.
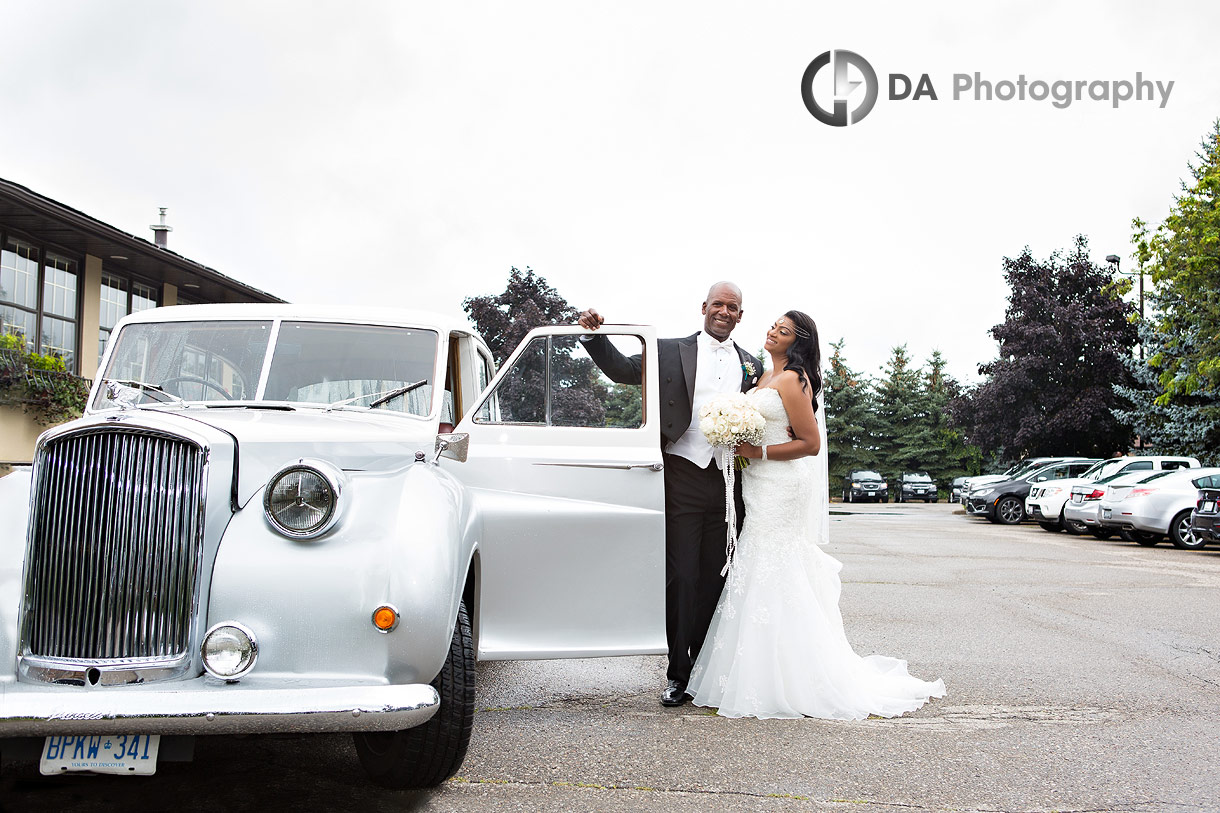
[776,645]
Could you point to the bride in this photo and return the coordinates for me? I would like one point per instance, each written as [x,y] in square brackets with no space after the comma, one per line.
[776,646]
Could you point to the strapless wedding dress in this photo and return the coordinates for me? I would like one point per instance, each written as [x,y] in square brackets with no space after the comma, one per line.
[776,646]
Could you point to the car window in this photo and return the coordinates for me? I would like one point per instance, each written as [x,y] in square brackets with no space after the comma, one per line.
[554,382]
[864,475]
[1174,464]
[1078,469]
[1211,481]
[195,361]
[1138,465]
[358,366]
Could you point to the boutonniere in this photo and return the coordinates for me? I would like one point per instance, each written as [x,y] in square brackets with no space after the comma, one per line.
[748,369]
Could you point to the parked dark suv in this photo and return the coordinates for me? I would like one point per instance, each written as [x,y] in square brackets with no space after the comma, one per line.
[1205,519]
[864,485]
[915,485]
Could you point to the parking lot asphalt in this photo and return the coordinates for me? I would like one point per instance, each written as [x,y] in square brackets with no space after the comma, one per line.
[1081,675]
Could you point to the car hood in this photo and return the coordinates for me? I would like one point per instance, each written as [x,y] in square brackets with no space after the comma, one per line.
[267,439]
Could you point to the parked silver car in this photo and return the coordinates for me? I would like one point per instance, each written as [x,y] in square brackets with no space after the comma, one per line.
[264,523]
[1081,509]
[1047,502]
[1156,506]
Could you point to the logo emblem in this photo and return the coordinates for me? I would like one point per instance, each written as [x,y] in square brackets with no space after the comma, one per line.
[844,88]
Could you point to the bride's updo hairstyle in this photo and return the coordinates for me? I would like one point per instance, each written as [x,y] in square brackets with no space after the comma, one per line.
[805,354]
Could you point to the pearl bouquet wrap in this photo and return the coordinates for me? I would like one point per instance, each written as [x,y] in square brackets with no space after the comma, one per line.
[726,421]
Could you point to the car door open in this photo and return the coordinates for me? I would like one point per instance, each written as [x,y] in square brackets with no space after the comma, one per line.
[566,474]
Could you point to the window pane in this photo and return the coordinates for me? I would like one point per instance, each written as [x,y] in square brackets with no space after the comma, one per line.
[17,322]
[196,361]
[103,335]
[521,394]
[143,297]
[114,301]
[582,396]
[59,339]
[59,287]
[19,275]
[325,363]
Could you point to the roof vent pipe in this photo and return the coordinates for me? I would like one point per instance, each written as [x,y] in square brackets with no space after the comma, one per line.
[162,231]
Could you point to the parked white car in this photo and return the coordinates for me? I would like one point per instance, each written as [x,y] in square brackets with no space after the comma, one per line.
[1084,505]
[265,522]
[1157,506]
[1046,501]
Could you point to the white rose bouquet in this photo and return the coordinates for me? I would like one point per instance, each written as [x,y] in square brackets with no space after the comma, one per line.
[726,421]
[730,419]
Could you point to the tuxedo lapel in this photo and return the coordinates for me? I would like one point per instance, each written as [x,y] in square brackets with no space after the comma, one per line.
[688,351]
[751,368]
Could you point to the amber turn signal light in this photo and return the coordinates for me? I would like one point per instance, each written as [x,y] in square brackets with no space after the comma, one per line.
[385,618]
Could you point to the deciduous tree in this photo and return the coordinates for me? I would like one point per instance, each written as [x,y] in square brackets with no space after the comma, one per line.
[1061,348]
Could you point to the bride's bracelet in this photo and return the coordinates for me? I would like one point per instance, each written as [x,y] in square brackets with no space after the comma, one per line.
[764,452]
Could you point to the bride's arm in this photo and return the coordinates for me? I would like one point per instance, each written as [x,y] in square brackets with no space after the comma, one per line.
[807,440]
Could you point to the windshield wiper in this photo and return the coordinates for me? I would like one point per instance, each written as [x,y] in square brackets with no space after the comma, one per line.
[386,395]
[115,389]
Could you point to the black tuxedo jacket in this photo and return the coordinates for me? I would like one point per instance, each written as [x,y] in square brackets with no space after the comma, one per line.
[676,365]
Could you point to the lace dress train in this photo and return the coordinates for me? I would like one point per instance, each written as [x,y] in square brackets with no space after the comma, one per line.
[776,646]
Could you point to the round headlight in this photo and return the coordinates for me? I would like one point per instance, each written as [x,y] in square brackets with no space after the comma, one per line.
[302,499]
[229,650]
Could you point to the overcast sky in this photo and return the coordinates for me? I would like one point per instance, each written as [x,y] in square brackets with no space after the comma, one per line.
[630,153]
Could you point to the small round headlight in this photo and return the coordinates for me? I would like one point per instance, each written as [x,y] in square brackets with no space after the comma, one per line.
[229,650]
[301,500]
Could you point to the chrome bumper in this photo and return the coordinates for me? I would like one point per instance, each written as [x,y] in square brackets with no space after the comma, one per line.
[205,706]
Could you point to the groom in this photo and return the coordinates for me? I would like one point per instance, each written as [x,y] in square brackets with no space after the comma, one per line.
[692,372]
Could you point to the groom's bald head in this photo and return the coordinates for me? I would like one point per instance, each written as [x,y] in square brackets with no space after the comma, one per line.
[722,310]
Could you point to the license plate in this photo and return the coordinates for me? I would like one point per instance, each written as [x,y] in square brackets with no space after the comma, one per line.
[134,754]
[1077,499]
[1105,513]
[1209,507]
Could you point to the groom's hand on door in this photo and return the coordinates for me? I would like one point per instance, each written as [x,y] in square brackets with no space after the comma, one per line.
[590,319]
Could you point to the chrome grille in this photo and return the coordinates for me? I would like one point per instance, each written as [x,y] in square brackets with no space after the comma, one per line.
[115,545]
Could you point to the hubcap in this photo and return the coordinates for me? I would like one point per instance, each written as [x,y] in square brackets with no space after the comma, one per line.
[1010,511]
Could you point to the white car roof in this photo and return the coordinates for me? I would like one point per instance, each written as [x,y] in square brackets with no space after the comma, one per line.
[440,322]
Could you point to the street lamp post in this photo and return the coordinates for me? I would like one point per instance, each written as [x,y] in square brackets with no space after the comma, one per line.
[1116,261]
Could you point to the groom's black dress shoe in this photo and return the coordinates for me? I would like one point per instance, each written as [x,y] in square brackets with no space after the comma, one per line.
[674,694]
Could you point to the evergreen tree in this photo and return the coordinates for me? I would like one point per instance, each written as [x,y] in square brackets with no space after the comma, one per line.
[1062,344]
[949,455]
[1182,426]
[901,408]
[851,425]
[1178,401]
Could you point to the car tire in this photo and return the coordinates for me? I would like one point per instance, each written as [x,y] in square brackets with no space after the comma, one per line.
[935,499]
[1053,527]
[1073,526]
[1009,511]
[1181,535]
[1102,533]
[428,754]
[1143,538]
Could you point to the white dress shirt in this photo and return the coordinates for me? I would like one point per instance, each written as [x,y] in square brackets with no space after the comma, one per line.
[717,371]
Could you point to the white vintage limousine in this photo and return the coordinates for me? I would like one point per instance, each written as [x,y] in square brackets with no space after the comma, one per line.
[306,519]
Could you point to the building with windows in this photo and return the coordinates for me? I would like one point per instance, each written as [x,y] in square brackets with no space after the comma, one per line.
[67,278]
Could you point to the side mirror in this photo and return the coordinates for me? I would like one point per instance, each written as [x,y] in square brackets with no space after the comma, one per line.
[453,445]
